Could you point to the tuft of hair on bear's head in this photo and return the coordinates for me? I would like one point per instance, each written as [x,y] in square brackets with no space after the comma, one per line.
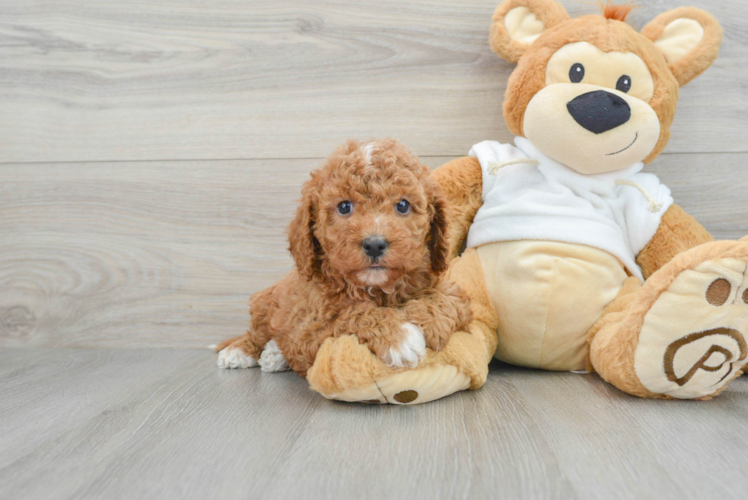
[616,12]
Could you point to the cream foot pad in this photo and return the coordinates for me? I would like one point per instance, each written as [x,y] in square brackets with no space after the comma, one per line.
[692,340]
[409,387]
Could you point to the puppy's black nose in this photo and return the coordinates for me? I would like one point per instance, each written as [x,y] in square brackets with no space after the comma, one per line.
[599,111]
[374,246]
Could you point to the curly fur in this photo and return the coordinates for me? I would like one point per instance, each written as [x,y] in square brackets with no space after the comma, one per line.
[334,290]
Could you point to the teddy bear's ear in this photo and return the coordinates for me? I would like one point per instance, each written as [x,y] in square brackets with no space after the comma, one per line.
[689,38]
[518,23]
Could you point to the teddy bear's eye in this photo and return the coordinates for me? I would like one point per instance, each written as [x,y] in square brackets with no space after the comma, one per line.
[576,73]
[624,83]
[345,207]
[403,207]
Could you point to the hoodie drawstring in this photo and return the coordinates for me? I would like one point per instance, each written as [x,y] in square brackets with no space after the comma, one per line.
[495,166]
[654,206]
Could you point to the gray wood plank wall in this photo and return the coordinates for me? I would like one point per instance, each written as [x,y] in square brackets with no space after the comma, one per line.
[151,152]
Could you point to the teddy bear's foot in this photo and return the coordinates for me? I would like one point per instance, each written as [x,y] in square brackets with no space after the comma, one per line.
[684,334]
[408,387]
[346,370]
[692,341]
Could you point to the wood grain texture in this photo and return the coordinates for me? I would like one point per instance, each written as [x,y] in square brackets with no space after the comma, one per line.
[169,424]
[151,155]
[167,253]
[85,80]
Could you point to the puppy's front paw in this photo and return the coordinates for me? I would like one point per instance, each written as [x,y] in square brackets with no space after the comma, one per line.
[272,360]
[234,357]
[410,352]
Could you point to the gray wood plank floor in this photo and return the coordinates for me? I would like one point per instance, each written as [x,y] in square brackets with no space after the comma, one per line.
[159,423]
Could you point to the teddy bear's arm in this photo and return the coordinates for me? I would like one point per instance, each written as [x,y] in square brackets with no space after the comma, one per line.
[461,181]
[677,233]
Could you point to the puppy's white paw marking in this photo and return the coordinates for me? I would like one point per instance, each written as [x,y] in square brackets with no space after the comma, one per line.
[235,358]
[411,351]
[272,360]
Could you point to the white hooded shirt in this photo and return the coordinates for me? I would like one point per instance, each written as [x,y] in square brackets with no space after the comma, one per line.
[551,202]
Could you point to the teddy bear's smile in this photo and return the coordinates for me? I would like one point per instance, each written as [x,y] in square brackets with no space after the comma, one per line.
[618,130]
[636,136]
[595,97]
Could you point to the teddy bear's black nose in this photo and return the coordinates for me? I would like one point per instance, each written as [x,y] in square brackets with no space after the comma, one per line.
[374,246]
[599,111]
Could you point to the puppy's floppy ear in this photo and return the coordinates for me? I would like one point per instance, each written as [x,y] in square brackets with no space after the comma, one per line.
[689,38]
[439,231]
[518,23]
[304,247]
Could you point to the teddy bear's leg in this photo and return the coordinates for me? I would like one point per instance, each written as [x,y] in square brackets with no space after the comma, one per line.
[682,334]
[346,370]
[474,356]
[677,233]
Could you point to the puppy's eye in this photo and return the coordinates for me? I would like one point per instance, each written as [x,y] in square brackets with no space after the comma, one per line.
[576,73]
[624,83]
[345,207]
[402,207]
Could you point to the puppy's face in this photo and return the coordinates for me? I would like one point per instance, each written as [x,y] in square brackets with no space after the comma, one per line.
[373,222]
[375,216]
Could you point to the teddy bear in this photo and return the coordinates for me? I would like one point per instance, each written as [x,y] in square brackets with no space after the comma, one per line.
[574,259]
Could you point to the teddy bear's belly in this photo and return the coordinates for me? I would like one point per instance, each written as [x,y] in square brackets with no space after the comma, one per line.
[547,296]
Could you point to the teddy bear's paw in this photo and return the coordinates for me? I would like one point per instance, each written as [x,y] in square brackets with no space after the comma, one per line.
[272,360]
[235,357]
[423,385]
[693,338]
[410,351]
[409,387]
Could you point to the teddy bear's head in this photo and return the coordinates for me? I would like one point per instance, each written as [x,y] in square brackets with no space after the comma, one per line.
[593,93]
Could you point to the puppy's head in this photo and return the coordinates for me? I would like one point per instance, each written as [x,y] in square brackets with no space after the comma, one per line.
[371,216]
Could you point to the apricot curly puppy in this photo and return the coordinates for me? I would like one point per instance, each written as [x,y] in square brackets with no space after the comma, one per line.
[370,245]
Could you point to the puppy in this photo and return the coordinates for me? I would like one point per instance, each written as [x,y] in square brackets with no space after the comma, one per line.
[370,245]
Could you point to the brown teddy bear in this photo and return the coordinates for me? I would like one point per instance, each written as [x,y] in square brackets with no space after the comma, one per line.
[575,259]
